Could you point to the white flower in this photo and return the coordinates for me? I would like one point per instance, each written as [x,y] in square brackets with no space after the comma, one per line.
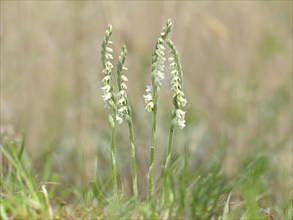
[122,101]
[180,114]
[109,49]
[160,54]
[123,110]
[106,96]
[123,86]
[161,75]
[181,101]
[106,80]
[176,88]
[109,56]
[150,106]
[174,73]
[179,94]
[124,78]
[181,123]
[106,88]
[149,89]
[175,80]
[161,47]
[109,65]
[148,98]
[173,65]
[119,119]
[122,93]
[161,67]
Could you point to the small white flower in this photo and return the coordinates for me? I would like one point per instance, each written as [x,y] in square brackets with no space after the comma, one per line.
[173,65]
[175,80]
[150,106]
[176,88]
[109,56]
[148,98]
[181,123]
[161,67]
[124,68]
[122,93]
[124,78]
[149,89]
[122,101]
[179,94]
[161,47]
[109,49]
[107,70]
[180,114]
[109,65]
[182,101]
[119,119]
[162,59]
[161,75]
[174,72]
[123,86]
[160,53]
[123,110]
[106,88]
[106,97]
[106,80]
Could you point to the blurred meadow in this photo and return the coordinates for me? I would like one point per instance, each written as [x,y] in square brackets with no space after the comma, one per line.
[237,63]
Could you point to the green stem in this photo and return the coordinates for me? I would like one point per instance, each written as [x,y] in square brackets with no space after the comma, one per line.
[133,160]
[113,158]
[167,164]
[152,155]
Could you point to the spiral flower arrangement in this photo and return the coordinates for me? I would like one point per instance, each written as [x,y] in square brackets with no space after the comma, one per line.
[121,110]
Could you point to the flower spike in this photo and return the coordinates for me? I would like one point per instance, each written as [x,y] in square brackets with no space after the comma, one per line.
[158,67]
[151,98]
[179,99]
[123,107]
[124,112]
[108,88]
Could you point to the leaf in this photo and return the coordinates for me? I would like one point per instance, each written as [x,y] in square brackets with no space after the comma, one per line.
[226,208]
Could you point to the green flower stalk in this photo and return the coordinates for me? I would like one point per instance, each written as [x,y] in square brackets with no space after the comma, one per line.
[151,98]
[177,115]
[125,113]
[108,95]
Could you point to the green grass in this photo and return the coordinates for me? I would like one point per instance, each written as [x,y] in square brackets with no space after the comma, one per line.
[203,193]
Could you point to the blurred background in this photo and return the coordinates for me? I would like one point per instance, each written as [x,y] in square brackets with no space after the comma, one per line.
[237,63]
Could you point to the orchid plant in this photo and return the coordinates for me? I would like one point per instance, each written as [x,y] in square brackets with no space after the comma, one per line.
[121,110]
